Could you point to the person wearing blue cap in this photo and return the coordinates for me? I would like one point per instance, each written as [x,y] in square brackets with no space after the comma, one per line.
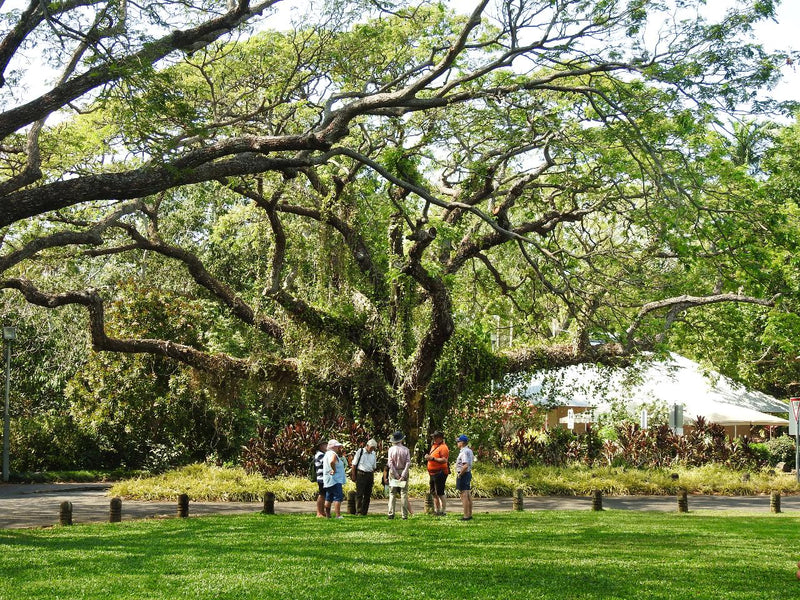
[464,475]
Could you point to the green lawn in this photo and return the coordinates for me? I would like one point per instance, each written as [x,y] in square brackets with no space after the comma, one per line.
[558,554]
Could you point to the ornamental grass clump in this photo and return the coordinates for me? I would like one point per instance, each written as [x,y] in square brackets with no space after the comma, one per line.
[210,483]
[201,481]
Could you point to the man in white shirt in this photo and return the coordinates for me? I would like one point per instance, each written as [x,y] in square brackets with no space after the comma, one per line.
[364,463]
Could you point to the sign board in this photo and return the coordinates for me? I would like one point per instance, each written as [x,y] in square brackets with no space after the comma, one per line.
[580,417]
[570,419]
[794,429]
[643,421]
[794,411]
[676,418]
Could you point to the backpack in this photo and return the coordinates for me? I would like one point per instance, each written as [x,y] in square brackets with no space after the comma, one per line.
[312,471]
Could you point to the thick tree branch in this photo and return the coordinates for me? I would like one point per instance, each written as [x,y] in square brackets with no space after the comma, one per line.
[683,303]
[358,247]
[90,237]
[279,370]
[555,356]
[240,309]
[138,183]
[315,318]
[187,40]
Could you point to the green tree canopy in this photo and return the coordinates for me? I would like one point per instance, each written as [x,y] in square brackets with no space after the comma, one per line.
[336,201]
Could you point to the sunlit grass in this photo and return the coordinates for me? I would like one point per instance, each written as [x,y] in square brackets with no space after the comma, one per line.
[554,554]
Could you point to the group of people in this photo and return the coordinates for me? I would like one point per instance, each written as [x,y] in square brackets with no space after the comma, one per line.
[332,470]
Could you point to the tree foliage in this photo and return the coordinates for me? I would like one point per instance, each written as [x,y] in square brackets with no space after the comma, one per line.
[323,209]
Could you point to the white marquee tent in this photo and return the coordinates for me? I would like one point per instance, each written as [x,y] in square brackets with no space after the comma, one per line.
[677,380]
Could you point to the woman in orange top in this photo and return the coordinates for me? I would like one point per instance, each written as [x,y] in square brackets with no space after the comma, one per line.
[438,470]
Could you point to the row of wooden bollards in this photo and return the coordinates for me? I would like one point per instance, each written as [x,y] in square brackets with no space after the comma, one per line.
[683,501]
[115,508]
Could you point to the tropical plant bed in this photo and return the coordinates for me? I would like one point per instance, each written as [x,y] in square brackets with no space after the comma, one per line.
[209,483]
[578,555]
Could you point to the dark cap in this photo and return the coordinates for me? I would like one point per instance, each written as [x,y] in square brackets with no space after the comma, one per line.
[437,433]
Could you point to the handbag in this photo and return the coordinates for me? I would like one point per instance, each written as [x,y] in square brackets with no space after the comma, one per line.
[354,468]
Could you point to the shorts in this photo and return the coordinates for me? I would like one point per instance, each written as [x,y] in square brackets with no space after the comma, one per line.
[334,493]
[321,488]
[437,482]
[464,482]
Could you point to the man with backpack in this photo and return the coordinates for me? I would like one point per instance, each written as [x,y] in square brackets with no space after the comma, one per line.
[315,474]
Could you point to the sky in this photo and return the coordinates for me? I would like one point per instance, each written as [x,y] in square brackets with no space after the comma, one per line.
[780,34]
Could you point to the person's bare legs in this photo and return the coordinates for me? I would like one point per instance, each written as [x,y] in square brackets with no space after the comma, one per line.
[320,505]
[466,503]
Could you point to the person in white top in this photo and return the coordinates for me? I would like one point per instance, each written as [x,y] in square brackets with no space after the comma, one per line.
[464,475]
[364,464]
[333,478]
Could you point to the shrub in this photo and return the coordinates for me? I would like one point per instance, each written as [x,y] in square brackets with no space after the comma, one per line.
[493,422]
[781,449]
[761,451]
[288,450]
[551,447]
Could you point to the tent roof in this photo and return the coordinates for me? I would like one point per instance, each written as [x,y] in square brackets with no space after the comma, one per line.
[676,380]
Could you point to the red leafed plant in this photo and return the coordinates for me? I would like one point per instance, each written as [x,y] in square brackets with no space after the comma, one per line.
[288,450]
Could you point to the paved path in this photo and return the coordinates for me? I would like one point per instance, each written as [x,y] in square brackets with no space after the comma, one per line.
[23,505]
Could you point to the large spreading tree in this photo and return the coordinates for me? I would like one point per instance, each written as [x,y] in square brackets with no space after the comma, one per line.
[337,205]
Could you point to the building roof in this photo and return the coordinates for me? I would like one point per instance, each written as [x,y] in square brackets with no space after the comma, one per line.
[676,380]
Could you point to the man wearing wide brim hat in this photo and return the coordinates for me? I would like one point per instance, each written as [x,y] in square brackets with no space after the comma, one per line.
[399,464]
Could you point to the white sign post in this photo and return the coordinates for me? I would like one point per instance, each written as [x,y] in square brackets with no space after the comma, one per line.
[643,421]
[794,429]
[570,419]
[676,418]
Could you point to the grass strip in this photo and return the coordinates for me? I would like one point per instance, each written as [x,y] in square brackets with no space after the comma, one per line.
[541,555]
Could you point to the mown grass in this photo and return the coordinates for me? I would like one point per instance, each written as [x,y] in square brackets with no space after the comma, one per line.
[542,555]
[207,483]
[76,476]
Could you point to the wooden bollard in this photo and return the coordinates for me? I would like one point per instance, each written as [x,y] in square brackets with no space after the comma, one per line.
[683,501]
[775,502]
[428,503]
[517,503]
[183,505]
[115,510]
[269,503]
[597,500]
[65,513]
[351,502]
